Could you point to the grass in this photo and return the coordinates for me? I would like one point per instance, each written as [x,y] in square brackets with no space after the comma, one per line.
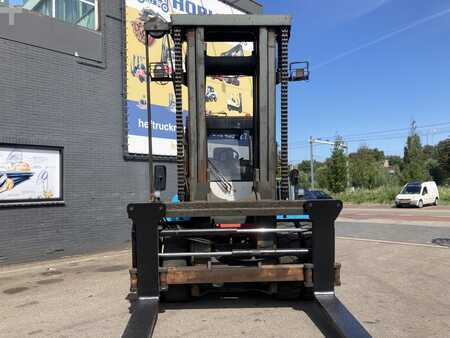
[383,195]
[444,194]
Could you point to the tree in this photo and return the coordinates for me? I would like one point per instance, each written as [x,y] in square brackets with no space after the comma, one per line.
[304,167]
[366,168]
[304,180]
[394,161]
[414,168]
[443,157]
[429,151]
[435,171]
[337,168]
[321,177]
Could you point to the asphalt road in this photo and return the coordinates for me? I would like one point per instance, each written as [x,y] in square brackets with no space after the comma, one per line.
[394,290]
[420,234]
[392,281]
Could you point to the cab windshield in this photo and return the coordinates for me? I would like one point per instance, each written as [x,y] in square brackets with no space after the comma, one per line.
[229,156]
[411,189]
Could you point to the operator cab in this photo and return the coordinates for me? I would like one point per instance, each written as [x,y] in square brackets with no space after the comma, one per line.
[230,158]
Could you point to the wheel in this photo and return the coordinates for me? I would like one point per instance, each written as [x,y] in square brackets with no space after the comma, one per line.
[289,290]
[288,241]
[420,204]
[307,293]
[436,201]
[176,293]
[199,247]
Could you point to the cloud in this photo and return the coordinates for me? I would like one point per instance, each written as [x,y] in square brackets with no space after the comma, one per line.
[328,13]
[384,37]
[368,7]
[352,9]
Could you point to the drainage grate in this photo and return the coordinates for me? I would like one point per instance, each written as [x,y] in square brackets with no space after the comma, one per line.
[441,241]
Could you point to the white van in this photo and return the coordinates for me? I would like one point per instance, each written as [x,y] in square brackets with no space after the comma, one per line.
[418,194]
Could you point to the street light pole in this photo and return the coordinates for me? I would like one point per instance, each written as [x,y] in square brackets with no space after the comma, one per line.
[311,141]
[348,166]
[319,141]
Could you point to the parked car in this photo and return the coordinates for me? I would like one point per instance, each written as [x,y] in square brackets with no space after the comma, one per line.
[418,194]
[307,194]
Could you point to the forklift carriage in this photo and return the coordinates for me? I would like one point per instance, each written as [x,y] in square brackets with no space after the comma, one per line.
[227,230]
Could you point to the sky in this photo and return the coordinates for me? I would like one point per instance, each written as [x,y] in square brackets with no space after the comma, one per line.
[376,65]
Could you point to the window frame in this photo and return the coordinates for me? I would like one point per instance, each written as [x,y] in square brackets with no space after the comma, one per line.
[94,3]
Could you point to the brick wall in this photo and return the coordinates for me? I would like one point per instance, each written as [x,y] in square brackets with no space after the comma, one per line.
[48,98]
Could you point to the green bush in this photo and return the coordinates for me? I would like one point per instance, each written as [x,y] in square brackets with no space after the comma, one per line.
[383,195]
[444,194]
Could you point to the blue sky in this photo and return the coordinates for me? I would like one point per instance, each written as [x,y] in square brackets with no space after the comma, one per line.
[376,66]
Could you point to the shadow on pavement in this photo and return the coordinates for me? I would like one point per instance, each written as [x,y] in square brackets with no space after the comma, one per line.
[215,301]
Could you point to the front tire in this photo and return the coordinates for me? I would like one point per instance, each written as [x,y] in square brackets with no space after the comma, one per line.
[420,204]
[176,293]
[289,290]
[436,202]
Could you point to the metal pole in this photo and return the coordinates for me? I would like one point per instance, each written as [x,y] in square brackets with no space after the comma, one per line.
[149,118]
[311,141]
[348,166]
[279,252]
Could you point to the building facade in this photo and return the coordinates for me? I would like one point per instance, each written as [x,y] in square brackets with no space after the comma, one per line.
[66,175]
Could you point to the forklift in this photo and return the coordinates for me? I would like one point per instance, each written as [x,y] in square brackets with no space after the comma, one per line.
[228,229]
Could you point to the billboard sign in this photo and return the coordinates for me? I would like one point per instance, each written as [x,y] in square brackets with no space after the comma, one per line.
[224,96]
[30,174]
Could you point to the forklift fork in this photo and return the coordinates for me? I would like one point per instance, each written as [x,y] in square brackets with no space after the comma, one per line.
[320,276]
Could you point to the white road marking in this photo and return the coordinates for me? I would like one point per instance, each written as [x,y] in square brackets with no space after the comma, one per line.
[393,242]
[393,222]
[407,211]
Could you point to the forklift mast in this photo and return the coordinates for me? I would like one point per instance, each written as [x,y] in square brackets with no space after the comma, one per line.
[227,230]
[269,59]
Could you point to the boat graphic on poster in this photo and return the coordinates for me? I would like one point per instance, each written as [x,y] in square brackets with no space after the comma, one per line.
[29,174]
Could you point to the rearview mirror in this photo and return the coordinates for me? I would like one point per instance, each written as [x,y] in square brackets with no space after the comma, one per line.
[160,177]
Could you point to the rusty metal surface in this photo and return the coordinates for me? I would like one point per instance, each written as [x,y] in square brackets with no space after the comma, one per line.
[200,274]
[254,208]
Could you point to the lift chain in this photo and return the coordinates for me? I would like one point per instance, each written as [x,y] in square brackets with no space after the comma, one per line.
[284,77]
[178,82]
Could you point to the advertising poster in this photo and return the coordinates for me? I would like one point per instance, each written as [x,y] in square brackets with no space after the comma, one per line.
[30,174]
[225,96]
